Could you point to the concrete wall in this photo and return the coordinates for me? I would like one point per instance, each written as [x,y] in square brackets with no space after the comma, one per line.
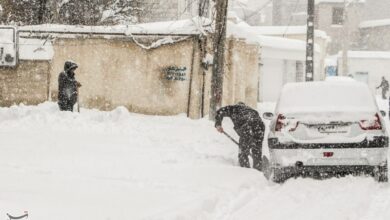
[324,12]
[27,83]
[320,61]
[377,9]
[375,38]
[382,67]
[118,72]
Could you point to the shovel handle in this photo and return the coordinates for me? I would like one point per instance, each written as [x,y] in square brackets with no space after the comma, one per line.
[230,137]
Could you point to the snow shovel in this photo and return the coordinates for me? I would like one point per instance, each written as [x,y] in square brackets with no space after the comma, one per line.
[18,217]
[230,137]
[78,103]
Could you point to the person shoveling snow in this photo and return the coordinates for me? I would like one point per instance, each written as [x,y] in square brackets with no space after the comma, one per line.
[250,128]
[68,87]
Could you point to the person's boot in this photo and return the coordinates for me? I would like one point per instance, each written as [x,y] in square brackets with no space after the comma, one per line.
[243,159]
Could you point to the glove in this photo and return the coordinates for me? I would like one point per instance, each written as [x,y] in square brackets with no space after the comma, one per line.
[220,129]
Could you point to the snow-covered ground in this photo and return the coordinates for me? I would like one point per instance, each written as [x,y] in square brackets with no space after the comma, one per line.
[118,165]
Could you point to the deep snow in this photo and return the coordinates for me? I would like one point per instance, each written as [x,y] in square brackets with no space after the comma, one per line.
[119,165]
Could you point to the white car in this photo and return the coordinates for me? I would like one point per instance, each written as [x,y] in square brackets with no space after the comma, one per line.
[325,129]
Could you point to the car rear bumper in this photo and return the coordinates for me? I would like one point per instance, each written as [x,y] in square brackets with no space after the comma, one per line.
[376,142]
[326,170]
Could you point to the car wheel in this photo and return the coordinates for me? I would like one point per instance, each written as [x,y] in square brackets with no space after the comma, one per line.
[381,173]
[277,175]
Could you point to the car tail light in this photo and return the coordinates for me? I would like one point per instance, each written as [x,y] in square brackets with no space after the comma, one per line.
[294,128]
[279,122]
[372,124]
[328,154]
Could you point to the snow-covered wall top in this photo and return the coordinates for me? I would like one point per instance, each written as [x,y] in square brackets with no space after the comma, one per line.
[374,23]
[367,54]
[287,30]
[339,1]
[179,27]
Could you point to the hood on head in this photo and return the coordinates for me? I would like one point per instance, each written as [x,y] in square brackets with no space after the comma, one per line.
[69,65]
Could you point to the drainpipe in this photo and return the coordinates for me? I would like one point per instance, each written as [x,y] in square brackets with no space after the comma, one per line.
[194,40]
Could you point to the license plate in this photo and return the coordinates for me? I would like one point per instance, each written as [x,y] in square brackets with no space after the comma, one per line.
[332,129]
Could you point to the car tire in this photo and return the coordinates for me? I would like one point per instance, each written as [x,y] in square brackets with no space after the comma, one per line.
[381,173]
[278,175]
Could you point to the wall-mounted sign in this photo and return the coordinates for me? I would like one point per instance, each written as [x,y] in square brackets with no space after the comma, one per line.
[175,73]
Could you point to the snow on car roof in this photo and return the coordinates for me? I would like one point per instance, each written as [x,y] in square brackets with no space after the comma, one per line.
[330,96]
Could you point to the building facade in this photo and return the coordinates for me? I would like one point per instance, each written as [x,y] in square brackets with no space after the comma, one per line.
[340,21]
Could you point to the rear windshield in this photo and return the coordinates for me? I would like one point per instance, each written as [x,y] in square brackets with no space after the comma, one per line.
[326,97]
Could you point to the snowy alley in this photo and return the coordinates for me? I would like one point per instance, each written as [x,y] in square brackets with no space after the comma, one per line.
[120,165]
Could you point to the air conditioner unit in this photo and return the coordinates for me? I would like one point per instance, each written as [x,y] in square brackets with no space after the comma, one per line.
[8,46]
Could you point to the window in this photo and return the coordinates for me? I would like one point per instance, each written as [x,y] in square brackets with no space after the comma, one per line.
[299,77]
[338,16]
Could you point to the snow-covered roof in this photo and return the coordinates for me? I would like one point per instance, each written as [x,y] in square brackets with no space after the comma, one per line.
[272,46]
[368,54]
[286,30]
[374,23]
[338,1]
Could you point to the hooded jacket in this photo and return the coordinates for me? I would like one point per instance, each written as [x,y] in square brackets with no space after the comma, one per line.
[244,118]
[67,85]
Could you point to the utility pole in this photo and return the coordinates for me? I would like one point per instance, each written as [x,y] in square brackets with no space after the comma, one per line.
[345,39]
[221,7]
[310,41]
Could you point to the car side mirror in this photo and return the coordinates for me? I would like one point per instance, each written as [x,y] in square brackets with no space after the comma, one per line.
[383,113]
[268,115]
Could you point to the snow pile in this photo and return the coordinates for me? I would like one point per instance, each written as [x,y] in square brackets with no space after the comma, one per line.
[336,96]
[119,165]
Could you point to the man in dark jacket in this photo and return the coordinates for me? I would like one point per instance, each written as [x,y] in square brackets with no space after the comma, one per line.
[67,87]
[250,128]
[385,87]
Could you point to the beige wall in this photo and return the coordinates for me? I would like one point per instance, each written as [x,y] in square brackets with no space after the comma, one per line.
[241,73]
[27,83]
[117,72]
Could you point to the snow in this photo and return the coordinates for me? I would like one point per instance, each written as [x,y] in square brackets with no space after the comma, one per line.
[339,79]
[119,165]
[367,54]
[35,49]
[252,36]
[339,1]
[374,23]
[192,26]
[287,30]
[332,96]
